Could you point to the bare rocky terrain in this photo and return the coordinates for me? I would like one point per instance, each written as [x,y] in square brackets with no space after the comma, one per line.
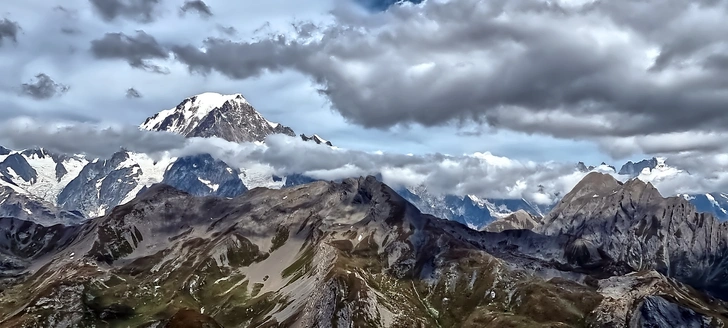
[349,254]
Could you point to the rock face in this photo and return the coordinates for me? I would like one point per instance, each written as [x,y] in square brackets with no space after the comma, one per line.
[101,185]
[633,169]
[519,220]
[38,172]
[202,175]
[315,138]
[229,117]
[14,203]
[324,254]
[648,299]
[634,225]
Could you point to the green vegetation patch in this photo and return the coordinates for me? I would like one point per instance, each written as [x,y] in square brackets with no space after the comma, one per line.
[303,264]
[280,238]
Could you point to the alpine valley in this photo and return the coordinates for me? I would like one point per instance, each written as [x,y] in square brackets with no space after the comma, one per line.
[141,241]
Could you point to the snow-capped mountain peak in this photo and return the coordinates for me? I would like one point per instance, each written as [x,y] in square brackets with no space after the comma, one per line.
[317,139]
[211,114]
[190,112]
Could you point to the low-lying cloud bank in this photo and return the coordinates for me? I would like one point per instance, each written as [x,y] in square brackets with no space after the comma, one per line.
[481,174]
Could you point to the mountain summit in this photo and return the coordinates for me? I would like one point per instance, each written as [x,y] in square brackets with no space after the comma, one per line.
[229,117]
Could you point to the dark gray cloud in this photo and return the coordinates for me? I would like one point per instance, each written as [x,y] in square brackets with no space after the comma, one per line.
[143,11]
[43,87]
[602,69]
[270,55]
[138,50]
[132,93]
[227,30]
[716,62]
[8,31]
[198,6]
[70,30]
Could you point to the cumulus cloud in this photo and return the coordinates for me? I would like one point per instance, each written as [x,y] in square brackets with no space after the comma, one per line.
[138,51]
[143,11]
[8,31]
[480,174]
[198,6]
[132,93]
[571,71]
[43,87]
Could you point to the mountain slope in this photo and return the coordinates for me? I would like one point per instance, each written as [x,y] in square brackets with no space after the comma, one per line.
[40,172]
[351,254]
[519,220]
[229,117]
[15,203]
[632,224]
[634,169]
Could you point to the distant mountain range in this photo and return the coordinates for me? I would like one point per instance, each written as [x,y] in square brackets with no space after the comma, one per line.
[91,187]
[94,186]
[132,241]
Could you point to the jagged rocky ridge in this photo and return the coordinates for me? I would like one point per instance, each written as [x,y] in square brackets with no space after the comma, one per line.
[352,254]
[632,225]
[315,138]
[519,220]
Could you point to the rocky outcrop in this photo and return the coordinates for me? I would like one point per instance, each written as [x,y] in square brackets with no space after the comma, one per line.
[16,166]
[315,138]
[519,220]
[633,169]
[14,203]
[202,175]
[101,185]
[633,224]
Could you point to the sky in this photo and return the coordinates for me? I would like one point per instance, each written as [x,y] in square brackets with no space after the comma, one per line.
[528,80]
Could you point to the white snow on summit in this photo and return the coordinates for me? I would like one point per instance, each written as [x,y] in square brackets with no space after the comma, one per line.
[192,111]
[46,185]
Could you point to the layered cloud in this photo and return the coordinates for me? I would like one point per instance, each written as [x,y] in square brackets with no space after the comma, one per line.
[570,71]
[94,140]
[138,10]
[481,174]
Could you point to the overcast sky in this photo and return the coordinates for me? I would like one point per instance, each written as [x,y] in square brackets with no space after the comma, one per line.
[531,80]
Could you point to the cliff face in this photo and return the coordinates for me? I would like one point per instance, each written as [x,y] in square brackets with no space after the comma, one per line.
[633,224]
